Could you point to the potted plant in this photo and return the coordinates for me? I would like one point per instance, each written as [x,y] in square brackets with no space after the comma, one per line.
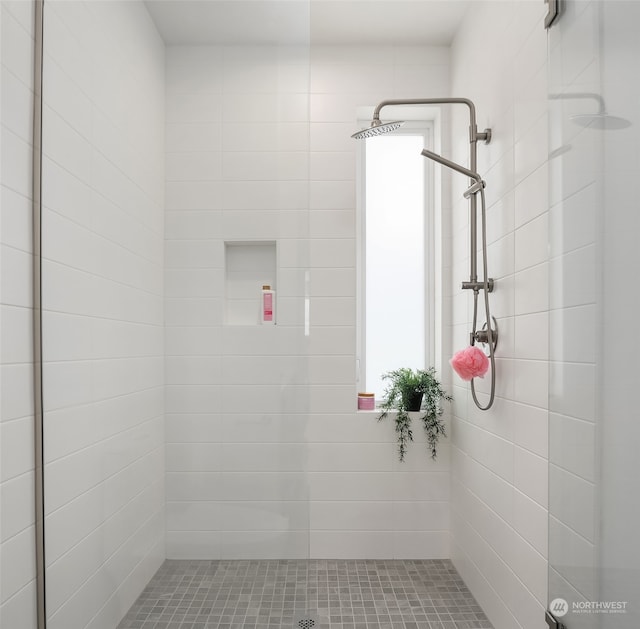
[417,390]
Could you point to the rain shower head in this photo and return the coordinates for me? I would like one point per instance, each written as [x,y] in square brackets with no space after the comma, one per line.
[377,128]
[602,120]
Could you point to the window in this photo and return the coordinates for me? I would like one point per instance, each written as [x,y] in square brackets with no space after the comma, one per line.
[395,255]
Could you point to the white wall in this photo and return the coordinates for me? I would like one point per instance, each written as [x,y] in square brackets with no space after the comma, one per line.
[259,147]
[17,561]
[103,229]
[499,457]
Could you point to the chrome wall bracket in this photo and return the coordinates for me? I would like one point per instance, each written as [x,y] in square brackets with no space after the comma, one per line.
[475,135]
[478,285]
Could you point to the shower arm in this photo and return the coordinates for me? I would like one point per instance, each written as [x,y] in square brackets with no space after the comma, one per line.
[474,136]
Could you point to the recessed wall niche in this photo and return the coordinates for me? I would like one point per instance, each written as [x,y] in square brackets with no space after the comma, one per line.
[248,266]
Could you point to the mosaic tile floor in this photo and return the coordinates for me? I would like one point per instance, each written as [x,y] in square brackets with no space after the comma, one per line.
[314,594]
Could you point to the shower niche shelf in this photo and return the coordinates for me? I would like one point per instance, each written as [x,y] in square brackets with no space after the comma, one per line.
[249,264]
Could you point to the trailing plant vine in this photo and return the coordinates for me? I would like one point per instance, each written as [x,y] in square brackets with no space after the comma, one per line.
[404,383]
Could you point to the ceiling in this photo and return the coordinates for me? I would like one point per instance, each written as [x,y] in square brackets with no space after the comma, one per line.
[410,22]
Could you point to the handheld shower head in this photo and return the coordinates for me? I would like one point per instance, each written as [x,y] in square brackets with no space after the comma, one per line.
[377,128]
[476,187]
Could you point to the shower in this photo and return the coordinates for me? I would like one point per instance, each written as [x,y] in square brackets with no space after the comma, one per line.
[489,333]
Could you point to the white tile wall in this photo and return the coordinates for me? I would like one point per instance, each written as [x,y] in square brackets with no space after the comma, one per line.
[103,300]
[499,457]
[17,573]
[272,159]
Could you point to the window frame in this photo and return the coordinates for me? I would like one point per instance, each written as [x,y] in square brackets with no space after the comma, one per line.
[420,121]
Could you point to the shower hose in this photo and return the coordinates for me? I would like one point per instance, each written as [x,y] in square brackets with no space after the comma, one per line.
[485,290]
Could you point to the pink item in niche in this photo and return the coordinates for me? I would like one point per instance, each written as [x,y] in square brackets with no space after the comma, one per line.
[470,362]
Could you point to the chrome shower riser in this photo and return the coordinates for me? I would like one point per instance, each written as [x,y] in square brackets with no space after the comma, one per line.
[488,334]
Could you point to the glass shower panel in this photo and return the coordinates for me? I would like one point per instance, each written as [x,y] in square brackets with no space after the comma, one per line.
[594,579]
[175,185]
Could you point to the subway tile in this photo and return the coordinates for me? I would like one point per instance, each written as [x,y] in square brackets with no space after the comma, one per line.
[332,136]
[265,545]
[16,105]
[17,447]
[572,502]
[532,197]
[17,46]
[18,561]
[351,457]
[530,475]
[190,254]
[531,428]
[16,342]
[16,286]
[351,544]
[249,78]
[193,166]
[532,382]
[265,195]
[351,486]
[573,221]
[195,136]
[573,390]
[332,166]
[332,282]
[531,333]
[192,398]
[333,311]
[350,516]
[193,225]
[265,166]
[193,69]
[332,253]
[192,107]
[264,224]
[193,516]
[572,445]
[194,195]
[332,224]
[264,516]
[429,545]
[15,221]
[332,195]
[254,457]
[574,558]
[194,486]
[193,457]
[194,283]
[194,544]
[192,369]
[17,501]
[262,427]
[532,289]
[532,243]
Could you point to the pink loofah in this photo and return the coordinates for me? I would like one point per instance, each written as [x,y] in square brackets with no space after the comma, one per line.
[470,362]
